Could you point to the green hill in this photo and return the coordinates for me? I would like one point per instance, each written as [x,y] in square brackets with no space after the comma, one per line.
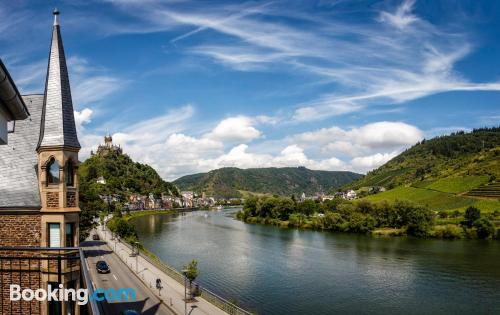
[234,182]
[122,175]
[446,173]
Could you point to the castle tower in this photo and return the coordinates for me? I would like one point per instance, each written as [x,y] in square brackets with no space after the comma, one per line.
[57,150]
[108,140]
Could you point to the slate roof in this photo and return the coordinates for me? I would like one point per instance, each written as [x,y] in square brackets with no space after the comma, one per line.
[10,97]
[58,124]
[18,160]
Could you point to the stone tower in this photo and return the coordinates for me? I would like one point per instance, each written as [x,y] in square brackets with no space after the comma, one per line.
[57,151]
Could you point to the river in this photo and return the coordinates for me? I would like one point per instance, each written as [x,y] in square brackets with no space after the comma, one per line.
[285,271]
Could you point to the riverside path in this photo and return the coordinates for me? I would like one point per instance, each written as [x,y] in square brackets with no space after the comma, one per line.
[172,292]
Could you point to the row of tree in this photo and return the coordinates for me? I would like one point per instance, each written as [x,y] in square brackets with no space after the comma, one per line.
[357,217]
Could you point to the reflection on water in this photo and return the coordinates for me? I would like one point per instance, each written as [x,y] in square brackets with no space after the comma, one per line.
[286,271]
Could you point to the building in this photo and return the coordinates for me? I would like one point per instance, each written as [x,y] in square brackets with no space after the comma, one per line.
[107,147]
[101,180]
[350,195]
[39,211]
[12,105]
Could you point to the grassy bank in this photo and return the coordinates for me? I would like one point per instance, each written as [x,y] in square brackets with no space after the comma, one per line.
[120,224]
[142,213]
[377,218]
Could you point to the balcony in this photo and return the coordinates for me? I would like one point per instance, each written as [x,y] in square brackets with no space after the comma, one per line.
[37,268]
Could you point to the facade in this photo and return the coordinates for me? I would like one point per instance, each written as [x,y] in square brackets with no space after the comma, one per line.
[39,191]
[12,106]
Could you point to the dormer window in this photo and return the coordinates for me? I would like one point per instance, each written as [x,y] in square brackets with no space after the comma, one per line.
[53,172]
[70,174]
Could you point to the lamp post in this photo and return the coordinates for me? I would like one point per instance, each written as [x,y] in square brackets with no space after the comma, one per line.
[136,257]
[184,272]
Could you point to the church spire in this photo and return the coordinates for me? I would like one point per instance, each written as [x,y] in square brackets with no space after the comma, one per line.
[58,122]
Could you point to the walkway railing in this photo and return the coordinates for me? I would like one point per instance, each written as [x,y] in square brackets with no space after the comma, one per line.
[208,295]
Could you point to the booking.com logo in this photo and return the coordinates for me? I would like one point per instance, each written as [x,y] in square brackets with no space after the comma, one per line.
[81,296]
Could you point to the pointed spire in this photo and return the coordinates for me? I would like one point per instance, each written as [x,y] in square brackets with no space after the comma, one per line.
[56,13]
[58,121]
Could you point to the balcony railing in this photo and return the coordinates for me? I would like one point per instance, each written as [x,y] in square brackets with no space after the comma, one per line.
[34,268]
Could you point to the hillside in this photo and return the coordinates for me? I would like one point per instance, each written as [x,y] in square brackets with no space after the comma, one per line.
[122,175]
[446,173]
[234,182]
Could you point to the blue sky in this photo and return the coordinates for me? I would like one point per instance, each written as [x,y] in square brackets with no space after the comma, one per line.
[190,86]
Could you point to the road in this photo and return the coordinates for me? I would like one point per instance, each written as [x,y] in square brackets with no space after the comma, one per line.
[120,277]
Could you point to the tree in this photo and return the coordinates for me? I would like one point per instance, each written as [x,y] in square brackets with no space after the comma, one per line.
[471,215]
[283,208]
[417,219]
[250,206]
[307,207]
[485,228]
[191,272]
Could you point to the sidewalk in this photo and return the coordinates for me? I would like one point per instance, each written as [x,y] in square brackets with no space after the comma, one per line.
[172,293]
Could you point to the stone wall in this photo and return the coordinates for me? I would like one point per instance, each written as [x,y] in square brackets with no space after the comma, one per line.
[52,199]
[20,229]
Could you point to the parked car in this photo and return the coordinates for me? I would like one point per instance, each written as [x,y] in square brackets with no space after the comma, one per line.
[95,237]
[102,267]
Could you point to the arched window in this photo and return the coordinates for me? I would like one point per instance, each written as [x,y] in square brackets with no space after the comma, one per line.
[69,173]
[53,172]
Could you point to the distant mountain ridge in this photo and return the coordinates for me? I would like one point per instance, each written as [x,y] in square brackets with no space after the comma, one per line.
[231,182]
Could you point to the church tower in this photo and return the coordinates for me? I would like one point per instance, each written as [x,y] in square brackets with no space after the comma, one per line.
[57,150]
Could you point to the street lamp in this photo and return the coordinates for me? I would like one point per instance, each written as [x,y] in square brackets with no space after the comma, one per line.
[184,272]
[136,257]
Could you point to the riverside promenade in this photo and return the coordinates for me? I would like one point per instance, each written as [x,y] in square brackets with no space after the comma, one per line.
[172,292]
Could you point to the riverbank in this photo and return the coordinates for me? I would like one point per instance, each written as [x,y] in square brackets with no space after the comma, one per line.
[266,268]
[400,218]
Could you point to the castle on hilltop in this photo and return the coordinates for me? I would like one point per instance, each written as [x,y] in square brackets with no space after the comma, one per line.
[107,147]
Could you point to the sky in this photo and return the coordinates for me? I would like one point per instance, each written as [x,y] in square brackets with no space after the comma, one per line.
[190,86]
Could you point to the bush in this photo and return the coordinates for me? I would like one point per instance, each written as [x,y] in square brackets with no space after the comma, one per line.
[471,215]
[443,214]
[448,231]
[485,228]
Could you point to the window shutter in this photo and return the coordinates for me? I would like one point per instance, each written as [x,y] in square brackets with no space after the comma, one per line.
[54,235]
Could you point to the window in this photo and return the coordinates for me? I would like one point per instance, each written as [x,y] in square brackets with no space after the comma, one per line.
[54,306]
[70,234]
[53,172]
[69,173]
[54,235]
[11,126]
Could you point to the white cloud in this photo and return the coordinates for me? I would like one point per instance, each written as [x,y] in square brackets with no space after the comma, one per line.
[393,58]
[402,17]
[82,117]
[362,148]
[386,134]
[235,129]
[91,83]
[366,163]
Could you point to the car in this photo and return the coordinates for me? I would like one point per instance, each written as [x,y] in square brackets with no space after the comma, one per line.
[95,237]
[102,267]
[130,312]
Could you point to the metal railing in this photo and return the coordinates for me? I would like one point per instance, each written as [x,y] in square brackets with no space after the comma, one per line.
[208,295]
[34,267]
[92,308]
